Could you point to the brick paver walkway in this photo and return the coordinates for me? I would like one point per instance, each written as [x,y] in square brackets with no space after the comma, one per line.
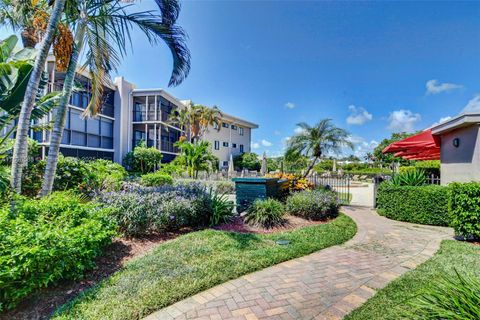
[327,284]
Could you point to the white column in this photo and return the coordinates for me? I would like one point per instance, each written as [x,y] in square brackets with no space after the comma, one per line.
[155,136]
[156,108]
[146,108]
[146,134]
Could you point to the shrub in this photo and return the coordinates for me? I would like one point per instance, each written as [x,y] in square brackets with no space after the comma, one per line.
[139,211]
[247,160]
[410,178]
[46,240]
[420,204]
[266,213]
[465,209]
[318,204]
[219,186]
[86,176]
[143,159]
[156,179]
[222,208]
[452,298]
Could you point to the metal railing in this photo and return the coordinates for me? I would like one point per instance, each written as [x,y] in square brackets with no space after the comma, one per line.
[335,182]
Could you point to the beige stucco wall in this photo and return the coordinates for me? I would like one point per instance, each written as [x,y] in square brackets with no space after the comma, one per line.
[461,164]
[230,136]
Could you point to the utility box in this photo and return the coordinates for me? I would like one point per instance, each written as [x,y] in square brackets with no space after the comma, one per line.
[249,189]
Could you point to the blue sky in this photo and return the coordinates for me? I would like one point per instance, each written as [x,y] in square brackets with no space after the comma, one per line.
[372,67]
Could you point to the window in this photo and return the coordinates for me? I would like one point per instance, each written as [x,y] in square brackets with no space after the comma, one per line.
[77,123]
[225,125]
[241,148]
[225,163]
[225,144]
[93,141]
[234,127]
[79,138]
[93,126]
[234,145]
[240,131]
[107,128]
[217,145]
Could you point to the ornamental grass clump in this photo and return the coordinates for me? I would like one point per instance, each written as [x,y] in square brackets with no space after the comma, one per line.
[319,204]
[266,213]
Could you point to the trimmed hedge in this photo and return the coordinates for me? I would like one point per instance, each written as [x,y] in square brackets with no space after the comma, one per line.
[416,204]
[318,204]
[156,179]
[465,209]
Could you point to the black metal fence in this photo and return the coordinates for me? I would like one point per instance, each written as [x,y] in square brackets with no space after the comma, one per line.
[338,183]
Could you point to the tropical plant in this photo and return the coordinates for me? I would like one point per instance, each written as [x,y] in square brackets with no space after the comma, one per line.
[265,213]
[222,208]
[450,298]
[195,119]
[389,158]
[410,178]
[20,150]
[197,157]
[104,28]
[317,141]
[143,159]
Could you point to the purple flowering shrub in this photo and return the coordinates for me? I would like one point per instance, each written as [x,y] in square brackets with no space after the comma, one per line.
[139,211]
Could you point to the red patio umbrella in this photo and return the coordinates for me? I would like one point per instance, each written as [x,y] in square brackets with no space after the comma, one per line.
[422,146]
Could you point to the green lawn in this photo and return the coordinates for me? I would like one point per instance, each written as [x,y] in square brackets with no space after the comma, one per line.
[388,302]
[195,262]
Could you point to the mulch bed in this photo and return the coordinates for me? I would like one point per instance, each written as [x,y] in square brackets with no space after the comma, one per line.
[291,222]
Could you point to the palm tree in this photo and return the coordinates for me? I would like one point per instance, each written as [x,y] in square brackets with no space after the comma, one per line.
[104,26]
[194,119]
[317,141]
[208,117]
[197,157]
[23,16]
[20,151]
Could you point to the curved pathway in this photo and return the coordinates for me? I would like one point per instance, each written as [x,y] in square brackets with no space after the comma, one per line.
[327,284]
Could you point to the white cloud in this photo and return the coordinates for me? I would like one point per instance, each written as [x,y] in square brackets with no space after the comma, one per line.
[266,143]
[434,87]
[360,146]
[473,106]
[298,130]
[358,115]
[255,145]
[276,132]
[290,105]
[403,120]
[444,119]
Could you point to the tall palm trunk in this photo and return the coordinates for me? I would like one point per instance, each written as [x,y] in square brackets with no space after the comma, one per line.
[61,112]
[310,167]
[20,151]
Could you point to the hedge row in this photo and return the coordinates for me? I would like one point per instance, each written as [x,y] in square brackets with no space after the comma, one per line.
[420,204]
[465,209]
[456,205]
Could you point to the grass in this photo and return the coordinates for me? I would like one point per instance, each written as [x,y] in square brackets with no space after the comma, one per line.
[194,262]
[392,301]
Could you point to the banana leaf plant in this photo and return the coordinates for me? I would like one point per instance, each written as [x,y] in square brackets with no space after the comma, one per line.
[15,69]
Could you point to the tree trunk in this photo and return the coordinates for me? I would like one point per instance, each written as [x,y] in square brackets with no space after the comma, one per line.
[310,167]
[60,116]
[20,150]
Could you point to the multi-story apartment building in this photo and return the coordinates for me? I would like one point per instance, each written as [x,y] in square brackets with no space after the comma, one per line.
[130,115]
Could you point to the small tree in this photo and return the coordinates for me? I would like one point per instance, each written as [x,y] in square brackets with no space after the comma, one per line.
[143,159]
[317,141]
[248,160]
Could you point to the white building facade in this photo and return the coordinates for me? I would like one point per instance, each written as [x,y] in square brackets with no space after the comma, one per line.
[130,115]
